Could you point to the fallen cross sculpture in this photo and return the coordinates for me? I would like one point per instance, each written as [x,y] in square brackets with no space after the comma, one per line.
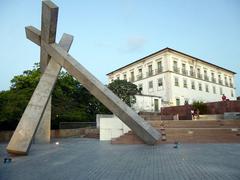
[35,121]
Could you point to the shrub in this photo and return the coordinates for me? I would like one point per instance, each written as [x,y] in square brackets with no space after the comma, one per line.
[201,106]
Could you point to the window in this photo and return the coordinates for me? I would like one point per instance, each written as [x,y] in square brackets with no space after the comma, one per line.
[175,67]
[205,75]
[185,83]
[174,63]
[198,70]
[159,66]
[199,73]
[230,82]
[219,79]
[191,71]
[214,90]
[184,71]
[205,72]
[220,90]
[193,84]
[226,82]
[140,87]
[232,93]
[177,102]
[125,76]
[213,77]
[200,86]
[139,76]
[183,66]
[150,85]
[150,73]
[206,88]
[176,81]
[132,76]
[118,77]
[160,82]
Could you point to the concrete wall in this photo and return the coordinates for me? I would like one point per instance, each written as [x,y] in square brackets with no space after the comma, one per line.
[111,127]
[5,136]
[146,103]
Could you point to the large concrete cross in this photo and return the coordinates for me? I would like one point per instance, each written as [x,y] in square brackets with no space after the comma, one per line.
[35,120]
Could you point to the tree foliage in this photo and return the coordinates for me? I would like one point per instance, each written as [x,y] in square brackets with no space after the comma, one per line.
[201,106]
[70,100]
[126,91]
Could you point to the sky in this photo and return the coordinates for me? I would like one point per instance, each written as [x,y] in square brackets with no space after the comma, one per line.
[110,34]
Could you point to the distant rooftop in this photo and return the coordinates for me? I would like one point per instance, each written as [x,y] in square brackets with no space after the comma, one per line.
[173,50]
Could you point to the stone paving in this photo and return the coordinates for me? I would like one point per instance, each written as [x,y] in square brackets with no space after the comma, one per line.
[77,158]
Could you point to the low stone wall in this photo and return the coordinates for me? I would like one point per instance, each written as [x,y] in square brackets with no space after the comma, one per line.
[184,112]
[219,107]
[223,106]
[156,116]
[5,136]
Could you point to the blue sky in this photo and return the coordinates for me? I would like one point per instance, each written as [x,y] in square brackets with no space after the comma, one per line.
[109,34]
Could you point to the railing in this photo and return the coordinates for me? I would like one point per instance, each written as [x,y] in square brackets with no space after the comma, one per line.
[139,77]
[176,69]
[199,75]
[206,78]
[184,72]
[149,73]
[75,125]
[158,70]
[213,80]
[192,74]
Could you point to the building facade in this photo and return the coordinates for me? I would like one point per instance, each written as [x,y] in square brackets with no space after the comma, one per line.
[169,77]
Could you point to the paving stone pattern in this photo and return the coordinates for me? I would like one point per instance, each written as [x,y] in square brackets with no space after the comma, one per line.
[78,158]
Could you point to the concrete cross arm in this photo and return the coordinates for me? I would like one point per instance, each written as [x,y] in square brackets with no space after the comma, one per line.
[34,35]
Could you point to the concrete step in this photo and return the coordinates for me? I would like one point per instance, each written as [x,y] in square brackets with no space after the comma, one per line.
[211,116]
[229,132]
[196,124]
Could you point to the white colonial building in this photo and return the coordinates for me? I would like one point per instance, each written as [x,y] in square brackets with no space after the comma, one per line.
[169,77]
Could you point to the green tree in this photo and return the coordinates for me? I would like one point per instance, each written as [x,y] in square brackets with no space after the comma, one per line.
[201,106]
[14,101]
[125,90]
[70,100]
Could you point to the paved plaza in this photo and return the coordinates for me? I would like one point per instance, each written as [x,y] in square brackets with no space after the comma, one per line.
[77,158]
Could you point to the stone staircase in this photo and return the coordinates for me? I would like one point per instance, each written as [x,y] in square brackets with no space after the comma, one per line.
[188,131]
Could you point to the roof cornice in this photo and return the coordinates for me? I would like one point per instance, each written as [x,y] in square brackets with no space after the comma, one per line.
[169,50]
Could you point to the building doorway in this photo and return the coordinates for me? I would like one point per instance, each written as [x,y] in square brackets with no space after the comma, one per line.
[156,105]
[177,102]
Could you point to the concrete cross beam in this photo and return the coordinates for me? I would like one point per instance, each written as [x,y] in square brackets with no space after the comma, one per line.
[138,125]
[48,34]
[21,140]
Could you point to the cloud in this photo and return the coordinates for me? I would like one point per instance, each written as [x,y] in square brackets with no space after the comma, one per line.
[135,43]
[103,44]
